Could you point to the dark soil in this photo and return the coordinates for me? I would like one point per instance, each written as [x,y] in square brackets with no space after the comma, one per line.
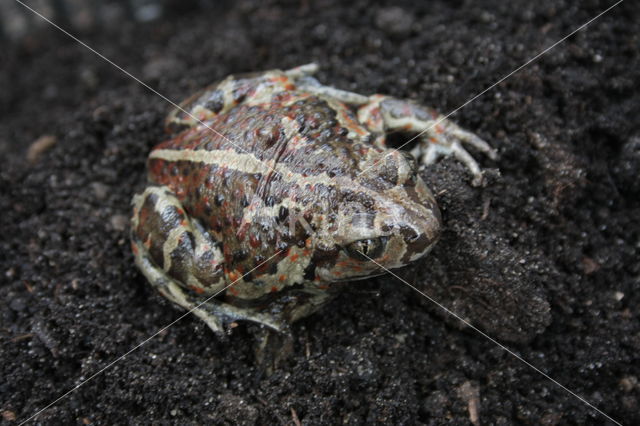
[544,258]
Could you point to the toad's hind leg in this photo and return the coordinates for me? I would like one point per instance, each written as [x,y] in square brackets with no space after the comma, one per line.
[175,243]
[214,313]
[218,98]
[177,256]
[437,135]
[182,261]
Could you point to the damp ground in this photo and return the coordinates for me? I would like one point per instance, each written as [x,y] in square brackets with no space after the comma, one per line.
[544,257]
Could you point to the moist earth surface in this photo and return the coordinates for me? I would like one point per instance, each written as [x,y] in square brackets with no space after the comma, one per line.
[544,257]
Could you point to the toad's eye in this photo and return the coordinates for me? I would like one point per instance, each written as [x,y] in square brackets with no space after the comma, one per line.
[365,249]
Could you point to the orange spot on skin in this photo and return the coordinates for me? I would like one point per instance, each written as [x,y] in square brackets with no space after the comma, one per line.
[307,243]
[233,291]
[196,289]
[323,287]
[282,278]
[351,125]
[439,129]
[156,167]
[134,249]
[233,276]
[254,241]
[274,289]
[294,257]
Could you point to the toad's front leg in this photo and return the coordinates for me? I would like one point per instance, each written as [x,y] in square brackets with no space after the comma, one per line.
[437,135]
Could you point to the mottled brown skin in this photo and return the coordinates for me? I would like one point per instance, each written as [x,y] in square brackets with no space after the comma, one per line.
[280,186]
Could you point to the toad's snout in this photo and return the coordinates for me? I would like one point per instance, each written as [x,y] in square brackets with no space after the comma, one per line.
[420,231]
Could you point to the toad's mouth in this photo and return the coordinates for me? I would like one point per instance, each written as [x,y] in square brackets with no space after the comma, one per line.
[374,273]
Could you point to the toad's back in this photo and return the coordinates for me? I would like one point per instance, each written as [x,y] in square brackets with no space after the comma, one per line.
[262,162]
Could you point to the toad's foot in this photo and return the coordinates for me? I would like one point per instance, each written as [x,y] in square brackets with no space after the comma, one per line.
[437,135]
[443,138]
